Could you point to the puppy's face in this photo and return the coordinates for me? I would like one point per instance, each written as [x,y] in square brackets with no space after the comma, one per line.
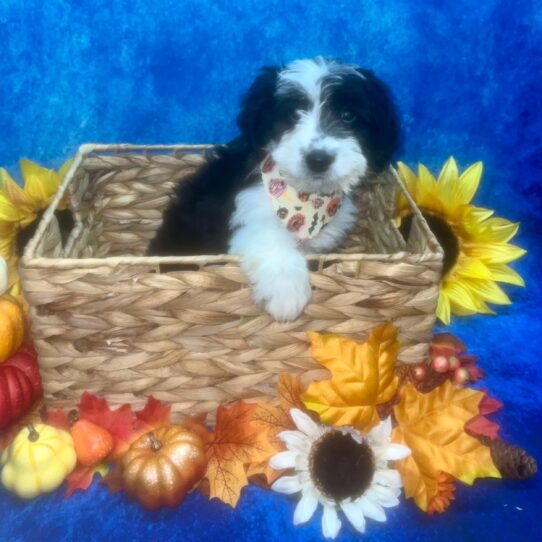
[327,125]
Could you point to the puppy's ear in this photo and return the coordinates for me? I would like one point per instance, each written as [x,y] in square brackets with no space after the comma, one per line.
[383,119]
[256,117]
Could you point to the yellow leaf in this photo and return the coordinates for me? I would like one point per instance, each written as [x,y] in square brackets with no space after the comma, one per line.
[432,425]
[362,377]
[236,441]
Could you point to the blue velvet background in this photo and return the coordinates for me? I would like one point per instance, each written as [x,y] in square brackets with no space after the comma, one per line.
[467,79]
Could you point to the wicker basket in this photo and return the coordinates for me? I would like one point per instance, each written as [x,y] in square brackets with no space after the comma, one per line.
[106,320]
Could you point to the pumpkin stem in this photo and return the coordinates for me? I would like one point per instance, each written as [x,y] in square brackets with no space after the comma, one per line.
[73,416]
[33,435]
[155,444]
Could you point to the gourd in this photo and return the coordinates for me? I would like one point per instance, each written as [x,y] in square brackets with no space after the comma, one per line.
[162,466]
[38,460]
[92,442]
[20,385]
[12,326]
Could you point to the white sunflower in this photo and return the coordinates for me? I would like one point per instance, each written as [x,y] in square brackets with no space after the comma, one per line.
[340,469]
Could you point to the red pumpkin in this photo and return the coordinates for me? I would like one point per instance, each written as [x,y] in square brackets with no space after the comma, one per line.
[20,385]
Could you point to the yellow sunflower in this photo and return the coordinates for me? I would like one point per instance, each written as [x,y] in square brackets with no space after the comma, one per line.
[475,244]
[19,208]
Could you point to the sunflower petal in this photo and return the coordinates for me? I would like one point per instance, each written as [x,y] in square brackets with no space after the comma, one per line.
[498,230]
[504,273]
[305,507]
[492,253]
[488,291]
[331,524]
[468,183]
[40,184]
[459,294]
[287,485]
[473,268]
[355,516]
[408,177]
[447,184]
[443,308]
[426,190]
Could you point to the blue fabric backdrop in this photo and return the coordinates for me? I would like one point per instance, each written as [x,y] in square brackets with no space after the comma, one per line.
[467,81]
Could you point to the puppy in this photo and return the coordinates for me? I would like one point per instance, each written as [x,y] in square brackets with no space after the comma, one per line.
[310,133]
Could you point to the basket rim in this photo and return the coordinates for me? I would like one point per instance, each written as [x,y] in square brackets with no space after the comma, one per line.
[29,258]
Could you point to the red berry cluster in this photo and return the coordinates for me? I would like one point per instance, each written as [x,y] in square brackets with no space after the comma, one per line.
[449,359]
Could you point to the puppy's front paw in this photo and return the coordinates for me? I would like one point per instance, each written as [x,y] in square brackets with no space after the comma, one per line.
[288,301]
[286,297]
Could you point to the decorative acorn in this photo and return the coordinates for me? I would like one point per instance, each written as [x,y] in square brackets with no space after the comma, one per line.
[38,460]
[162,466]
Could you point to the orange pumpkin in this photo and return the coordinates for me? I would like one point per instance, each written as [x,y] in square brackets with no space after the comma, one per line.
[12,326]
[162,466]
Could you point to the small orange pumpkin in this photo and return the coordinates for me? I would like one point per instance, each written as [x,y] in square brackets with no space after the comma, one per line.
[12,326]
[162,466]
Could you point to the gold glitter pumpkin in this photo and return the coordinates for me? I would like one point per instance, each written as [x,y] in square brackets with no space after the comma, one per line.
[162,466]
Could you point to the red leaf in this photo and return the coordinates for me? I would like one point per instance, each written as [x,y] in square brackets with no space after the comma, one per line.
[488,405]
[154,414]
[113,480]
[80,478]
[118,422]
[480,425]
[57,418]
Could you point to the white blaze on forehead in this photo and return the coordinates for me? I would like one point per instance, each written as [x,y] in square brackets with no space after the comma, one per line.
[308,75]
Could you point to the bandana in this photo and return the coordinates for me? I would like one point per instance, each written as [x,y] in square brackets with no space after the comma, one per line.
[304,214]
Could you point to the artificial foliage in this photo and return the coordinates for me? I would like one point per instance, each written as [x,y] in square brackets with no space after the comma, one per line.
[476,244]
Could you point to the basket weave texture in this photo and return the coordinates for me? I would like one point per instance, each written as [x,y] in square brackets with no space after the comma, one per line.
[105,319]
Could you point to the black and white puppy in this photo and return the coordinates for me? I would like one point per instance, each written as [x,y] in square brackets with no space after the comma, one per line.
[320,127]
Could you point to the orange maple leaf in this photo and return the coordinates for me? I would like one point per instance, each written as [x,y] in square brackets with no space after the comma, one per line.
[275,420]
[432,425]
[362,377]
[236,442]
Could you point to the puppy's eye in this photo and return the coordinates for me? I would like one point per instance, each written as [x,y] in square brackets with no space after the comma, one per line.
[294,116]
[347,116]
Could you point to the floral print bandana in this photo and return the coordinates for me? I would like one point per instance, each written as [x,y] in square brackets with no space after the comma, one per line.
[304,214]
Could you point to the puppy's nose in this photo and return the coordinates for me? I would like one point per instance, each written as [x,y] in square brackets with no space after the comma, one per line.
[318,160]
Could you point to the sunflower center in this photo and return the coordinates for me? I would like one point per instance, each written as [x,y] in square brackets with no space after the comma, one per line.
[445,236]
[341,467]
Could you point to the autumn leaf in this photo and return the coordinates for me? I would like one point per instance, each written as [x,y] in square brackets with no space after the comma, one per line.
[57,418]
[480,426]
[362,377]
[444,496]
[432,425]
[118,422]
[275,420]
[81,477]
[236,441]
[153,415]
